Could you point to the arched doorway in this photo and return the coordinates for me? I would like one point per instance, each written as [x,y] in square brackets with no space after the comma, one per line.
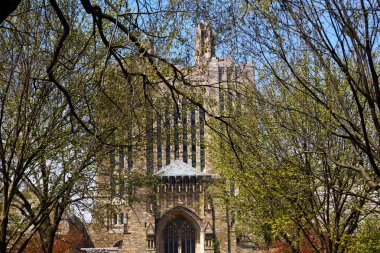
[178,232]
[179,236]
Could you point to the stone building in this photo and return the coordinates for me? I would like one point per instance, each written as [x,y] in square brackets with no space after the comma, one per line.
[180,214]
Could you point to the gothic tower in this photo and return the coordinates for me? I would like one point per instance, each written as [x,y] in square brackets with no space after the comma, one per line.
[180,214]
[204,48]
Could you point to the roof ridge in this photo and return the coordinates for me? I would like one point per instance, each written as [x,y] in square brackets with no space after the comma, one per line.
[180,168]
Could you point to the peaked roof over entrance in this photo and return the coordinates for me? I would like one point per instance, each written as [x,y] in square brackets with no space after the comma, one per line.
[178,168]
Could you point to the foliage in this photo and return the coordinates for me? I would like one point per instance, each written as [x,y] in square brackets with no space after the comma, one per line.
[47,157]
[303,151]
[319,49]
[279,164]
[367,237]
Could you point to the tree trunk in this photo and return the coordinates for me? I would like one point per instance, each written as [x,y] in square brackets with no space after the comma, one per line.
[49,228]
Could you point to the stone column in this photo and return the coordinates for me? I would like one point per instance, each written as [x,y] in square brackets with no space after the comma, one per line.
[202,240]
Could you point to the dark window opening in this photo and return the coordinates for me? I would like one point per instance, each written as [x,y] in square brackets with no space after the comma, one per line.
[151,242]
[114,218]
[179,234]
[121,218]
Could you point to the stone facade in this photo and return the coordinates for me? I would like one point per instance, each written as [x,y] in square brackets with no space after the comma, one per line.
[184,196]
[180,213]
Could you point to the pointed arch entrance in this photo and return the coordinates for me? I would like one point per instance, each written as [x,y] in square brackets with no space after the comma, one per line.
[179,236]
[179,231]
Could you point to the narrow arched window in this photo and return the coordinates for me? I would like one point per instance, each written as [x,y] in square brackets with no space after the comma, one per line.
[114,218]
[121,218]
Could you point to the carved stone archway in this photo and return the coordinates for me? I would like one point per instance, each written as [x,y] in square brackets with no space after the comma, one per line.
[180,231]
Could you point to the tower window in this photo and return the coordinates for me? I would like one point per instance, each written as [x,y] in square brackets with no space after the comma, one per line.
[114,218]
[121,218]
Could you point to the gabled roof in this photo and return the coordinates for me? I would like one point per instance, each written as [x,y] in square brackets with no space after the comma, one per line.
[208,229]
[150,230]
[179,168]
